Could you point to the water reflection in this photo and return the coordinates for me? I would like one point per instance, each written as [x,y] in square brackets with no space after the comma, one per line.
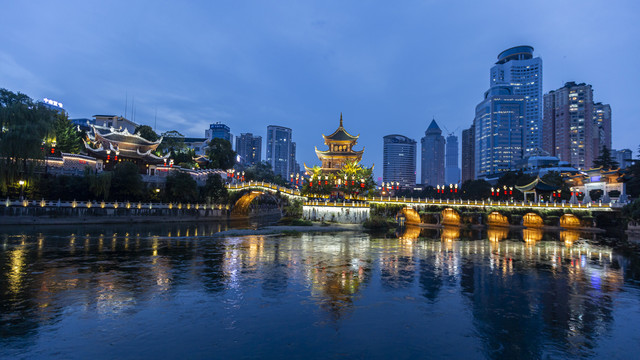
[526,294]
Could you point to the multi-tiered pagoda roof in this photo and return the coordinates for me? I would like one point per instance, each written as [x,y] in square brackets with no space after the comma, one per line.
[341,151]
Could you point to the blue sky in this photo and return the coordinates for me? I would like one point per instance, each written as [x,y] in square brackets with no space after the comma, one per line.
[389,67]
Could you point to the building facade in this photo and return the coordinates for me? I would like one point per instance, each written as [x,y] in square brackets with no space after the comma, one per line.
[116,122]
[575,127]
[432,160]
[399,160]
[249,148]
[623,157]
[517,67]
[220,131]
[279,149]
[451,169]
[499,132]
[468,154]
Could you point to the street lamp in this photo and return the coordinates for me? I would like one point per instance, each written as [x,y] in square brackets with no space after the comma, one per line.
[21,182]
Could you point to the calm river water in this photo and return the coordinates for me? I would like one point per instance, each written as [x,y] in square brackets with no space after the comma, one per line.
[174,291]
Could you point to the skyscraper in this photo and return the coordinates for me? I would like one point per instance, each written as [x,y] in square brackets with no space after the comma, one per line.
[451,169]
[218,130]
[249,148]
[572,128]
[517,67]
[499,131]
[623,157]
[468,154]
[432,156]
[399,156]
[602,122]
[279,150]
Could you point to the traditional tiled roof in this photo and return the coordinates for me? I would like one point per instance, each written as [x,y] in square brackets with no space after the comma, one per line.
[537,185]
[340,134]
[124,136]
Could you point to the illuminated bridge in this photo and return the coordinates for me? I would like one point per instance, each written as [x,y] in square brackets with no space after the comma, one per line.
[451,208]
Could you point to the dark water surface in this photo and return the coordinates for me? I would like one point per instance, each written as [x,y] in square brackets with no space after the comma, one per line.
[173,291]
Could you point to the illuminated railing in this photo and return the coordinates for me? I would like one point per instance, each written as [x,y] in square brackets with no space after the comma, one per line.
[337,204]
[261,185]
[110,205]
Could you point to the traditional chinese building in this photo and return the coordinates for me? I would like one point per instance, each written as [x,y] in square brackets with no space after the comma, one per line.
[113,146]
[340,152]
[610,182]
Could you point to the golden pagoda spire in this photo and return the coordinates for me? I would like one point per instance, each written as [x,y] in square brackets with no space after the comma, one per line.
[341,119]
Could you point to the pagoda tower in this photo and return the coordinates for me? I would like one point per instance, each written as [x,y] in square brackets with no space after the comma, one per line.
[341,151]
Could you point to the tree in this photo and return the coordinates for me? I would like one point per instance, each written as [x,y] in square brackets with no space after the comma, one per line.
[180,186]
[126,182]
[68,137]
[262,172]
[147,132]
[24,125]
[475,189]
[605,160]
[172,141]
[221,156]
[214,190]
[554,178]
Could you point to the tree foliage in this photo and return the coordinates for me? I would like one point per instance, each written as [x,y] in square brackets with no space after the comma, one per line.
[24,125]
[181,187]
[68,137]
[214,190]
[262,171]
[126,182]
[147,132]
[220,154]
[605,160]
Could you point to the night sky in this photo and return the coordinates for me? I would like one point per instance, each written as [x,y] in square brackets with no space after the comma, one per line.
[389,67]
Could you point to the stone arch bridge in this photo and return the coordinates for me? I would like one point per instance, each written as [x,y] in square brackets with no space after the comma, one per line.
[255,189]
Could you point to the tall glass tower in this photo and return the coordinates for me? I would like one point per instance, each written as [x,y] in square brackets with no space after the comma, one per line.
[451,169]
[432,156]
[280,150]
[517,67]
[399,156]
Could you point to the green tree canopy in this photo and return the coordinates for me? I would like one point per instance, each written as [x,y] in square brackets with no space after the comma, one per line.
[475,189]
[147,132]
[221,156]
[262,171]
[126,182]
[214,190]
[24,127]
[605,160]
[180,186]
[68,137]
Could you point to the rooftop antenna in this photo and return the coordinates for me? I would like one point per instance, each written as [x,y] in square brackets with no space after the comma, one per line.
[126,98]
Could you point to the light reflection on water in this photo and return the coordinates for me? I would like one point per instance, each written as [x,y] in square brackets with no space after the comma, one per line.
[170,290]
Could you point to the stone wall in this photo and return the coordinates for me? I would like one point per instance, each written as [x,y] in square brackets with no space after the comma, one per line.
[340,214]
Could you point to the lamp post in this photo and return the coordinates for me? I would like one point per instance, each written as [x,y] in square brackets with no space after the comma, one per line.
[21,183]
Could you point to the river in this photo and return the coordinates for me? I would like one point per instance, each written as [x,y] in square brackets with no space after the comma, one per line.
[174,291]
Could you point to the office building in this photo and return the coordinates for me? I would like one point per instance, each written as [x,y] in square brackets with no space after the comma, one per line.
[499,132]
[432,156]
[623,157]
[575,127]
[279,149]
[517,67]
[451,169]
[249,148]
[468,154]
[220,131]
[399,160]
[116,122]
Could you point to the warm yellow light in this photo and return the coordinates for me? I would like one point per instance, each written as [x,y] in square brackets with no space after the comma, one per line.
[21,182]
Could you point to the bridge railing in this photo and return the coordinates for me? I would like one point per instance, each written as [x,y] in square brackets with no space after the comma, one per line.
[337,204]
[110,205]
[266,186]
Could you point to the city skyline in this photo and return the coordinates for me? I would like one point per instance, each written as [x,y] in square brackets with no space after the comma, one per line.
[319,60]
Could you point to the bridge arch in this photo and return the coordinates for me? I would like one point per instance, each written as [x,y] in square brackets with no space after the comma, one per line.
[569,221]
[411,216]
[450,217]
[532,220]
[242,205]
[497,219]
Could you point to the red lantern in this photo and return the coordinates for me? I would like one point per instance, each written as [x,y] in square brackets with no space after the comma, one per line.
[53,150]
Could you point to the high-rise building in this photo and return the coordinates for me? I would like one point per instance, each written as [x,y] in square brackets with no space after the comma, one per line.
[294,168]
[220,131]
[399,157]
[468,154]
[279,150]
[249,148]
[451,169]
[499,131]
[432,156]
[602,122]
[517,67]
[623,157]
[575,128]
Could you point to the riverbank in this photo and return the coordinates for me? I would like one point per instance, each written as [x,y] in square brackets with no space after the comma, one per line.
[285,229]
